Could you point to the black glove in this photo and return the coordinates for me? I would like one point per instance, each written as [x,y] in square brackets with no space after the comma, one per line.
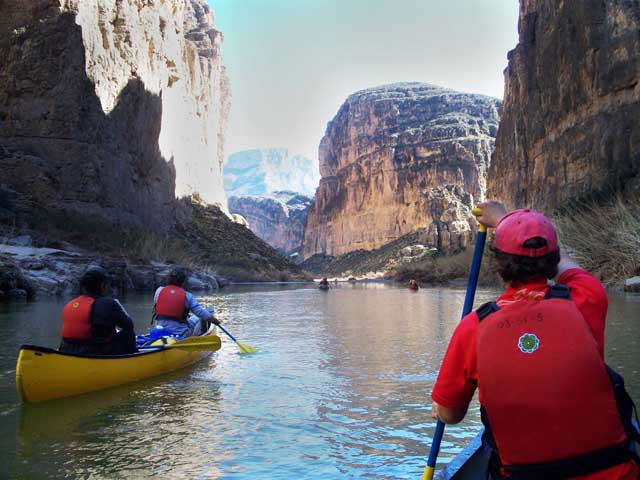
[214,320]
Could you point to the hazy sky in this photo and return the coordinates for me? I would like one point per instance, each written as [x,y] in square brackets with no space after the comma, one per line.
[292,63]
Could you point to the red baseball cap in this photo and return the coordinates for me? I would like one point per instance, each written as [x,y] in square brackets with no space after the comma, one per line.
[527,233]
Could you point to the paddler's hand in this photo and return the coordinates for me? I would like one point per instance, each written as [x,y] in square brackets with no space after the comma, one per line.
[447,415]
[492,213]
[434,411]
[214,320]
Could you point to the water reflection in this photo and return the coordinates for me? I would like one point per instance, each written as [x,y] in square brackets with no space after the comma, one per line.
[339,389]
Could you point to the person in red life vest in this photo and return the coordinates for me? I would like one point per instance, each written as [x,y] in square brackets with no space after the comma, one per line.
[94,323]
[536,356]
[172,305]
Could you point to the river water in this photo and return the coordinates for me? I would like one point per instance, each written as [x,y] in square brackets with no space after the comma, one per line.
[339,389]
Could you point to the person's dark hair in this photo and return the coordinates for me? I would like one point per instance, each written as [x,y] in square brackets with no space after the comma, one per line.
[177,277]
[93,280]
[521,269]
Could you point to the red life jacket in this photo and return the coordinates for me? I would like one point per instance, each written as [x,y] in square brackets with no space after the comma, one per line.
[543,385]
[76,318]
[171,304]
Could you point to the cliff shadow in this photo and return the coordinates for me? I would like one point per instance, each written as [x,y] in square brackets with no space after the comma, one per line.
[61,151]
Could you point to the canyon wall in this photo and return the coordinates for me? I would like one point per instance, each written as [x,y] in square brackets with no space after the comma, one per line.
[398,158]
[112,108]
[572,99]
[262,171]
[278,218]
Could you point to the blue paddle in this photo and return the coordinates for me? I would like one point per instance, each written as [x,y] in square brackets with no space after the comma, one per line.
[468,305]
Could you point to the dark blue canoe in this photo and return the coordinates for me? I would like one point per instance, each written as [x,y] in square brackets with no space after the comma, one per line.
[472,462]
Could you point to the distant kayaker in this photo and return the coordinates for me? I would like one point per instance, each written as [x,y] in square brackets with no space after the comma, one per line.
[172,305]
[94,323]
[324,284]
[536,356]
[413,285]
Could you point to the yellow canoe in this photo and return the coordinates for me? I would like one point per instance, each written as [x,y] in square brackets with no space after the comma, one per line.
[45,374]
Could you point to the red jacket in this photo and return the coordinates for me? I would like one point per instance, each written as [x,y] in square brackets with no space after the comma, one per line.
[171,304]
[76,318]
[458,377]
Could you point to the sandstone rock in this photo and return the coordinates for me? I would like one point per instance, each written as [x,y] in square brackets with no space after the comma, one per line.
[17,294]
[239,219]
[45,272]
[195,284]
[632,284]
[32,264]
[413,250]
[112,108]
[21,241]
[145,278]
[572,98]
[278,219]
[398,158]
[12,280]
[207,280]
[11,208]
[47,285]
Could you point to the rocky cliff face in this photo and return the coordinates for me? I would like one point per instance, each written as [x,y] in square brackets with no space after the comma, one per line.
[267,170]
[112,108]
[399,158]
[572,100]
[278,218]
[111,114]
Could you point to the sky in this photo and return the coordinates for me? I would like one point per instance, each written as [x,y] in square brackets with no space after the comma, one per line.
[292,63]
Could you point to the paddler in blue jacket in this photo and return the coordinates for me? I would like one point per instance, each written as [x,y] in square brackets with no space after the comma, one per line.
[172,305]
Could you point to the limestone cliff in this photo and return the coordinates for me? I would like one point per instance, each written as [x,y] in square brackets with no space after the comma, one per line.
[278,218]
[398,158]
[112,113]
[112,108]
[266,170]
[572,99]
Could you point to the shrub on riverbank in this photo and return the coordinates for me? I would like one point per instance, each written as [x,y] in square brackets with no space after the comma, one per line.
[434,270]
[364,262]
[603,237]
[442,269]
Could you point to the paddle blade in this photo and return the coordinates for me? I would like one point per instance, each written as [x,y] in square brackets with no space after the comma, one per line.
[198,344]
[246,348]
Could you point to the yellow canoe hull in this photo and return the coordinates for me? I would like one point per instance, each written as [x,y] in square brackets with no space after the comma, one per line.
[45,374]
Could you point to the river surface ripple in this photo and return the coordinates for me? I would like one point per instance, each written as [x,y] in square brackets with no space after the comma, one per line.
[338,390]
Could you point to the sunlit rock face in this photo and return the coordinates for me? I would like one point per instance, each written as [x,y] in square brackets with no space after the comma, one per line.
[111,107]
[266,170]
[278,218]
[398,158]
[572,102]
